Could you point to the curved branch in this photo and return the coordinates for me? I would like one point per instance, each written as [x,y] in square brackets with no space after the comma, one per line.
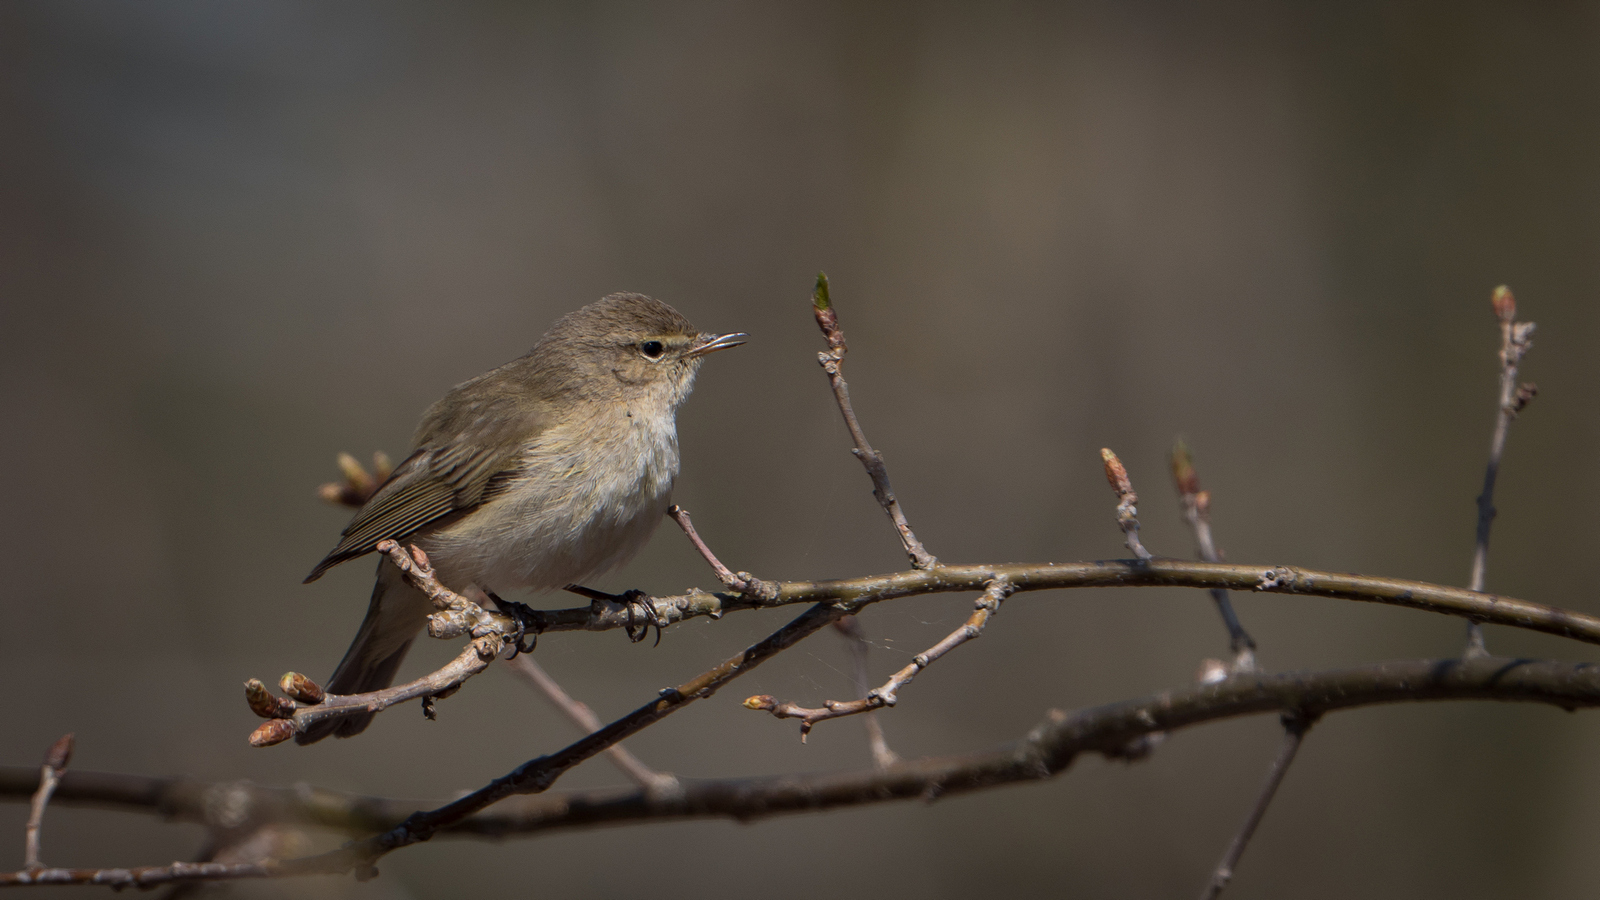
[1114,730]
[855,593]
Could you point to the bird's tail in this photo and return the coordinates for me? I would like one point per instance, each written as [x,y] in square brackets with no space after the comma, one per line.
[397,612]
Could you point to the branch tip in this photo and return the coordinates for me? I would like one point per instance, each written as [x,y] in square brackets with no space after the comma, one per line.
[1183,473]
[266,704]
[60,753]
[1117,474]
[301,688]
[819,294]
[272,731]
[1504,304]
[827,320]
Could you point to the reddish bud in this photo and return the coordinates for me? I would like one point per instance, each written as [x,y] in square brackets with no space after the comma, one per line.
[1183,473]
[1505,305]
[60,753]
[1116,474]
[301,688]
[266,704]
[274,731]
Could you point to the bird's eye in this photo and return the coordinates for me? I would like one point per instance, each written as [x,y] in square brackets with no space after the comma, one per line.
[652,349]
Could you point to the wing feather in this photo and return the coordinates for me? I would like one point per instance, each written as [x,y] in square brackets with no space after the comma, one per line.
[465,441]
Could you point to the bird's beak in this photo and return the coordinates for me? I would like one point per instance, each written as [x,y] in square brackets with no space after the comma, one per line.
[711,343]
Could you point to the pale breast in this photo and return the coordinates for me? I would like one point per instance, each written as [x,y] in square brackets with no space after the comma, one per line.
[588,498]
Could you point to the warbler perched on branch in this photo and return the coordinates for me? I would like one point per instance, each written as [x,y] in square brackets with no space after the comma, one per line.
[548,470]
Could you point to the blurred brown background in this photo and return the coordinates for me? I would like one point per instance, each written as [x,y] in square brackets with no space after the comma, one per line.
[236,239]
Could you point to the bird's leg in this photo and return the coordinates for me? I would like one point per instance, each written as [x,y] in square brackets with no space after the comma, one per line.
[636,632]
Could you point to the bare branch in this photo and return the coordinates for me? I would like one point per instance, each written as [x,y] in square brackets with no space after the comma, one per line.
[537,775]
[857,593]
[55,765]
[1295,726]
[1196,505]
[584,718]
[889,693]
[1047,750]
[831,361]
[1516,339]
[742,582]
[454,616]
[1127,512]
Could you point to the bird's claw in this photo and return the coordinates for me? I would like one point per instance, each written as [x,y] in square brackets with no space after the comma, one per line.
[522,614]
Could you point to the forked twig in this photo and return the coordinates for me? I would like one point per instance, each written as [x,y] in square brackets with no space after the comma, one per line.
[888,694]
[831,361]
[537,775]
[1516,339]
[742,582]
[453,616]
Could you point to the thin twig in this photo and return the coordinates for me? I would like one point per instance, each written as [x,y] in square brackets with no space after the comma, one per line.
[453,616]
[1516,339]
[872,460]
[742,582]
[888,694]
[1295,726]
[585,719]
[1196,506]
[1127,511]
[55,765]
[537,775]
[855,642]
[1047,750]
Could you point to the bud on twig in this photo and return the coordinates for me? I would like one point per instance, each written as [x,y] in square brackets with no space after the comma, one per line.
[1183,470]
[1117,475]
[301,688]
[275,731]
[827,319]
[1504,303]
[265,703]
[60,754]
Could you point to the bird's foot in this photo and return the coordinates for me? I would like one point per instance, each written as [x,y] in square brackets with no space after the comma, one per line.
[632,600]
[528,623]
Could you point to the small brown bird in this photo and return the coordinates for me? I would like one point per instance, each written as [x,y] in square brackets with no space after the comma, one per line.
[551,469]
